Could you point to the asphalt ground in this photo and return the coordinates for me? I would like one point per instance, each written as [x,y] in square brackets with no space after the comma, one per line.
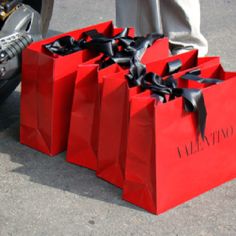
[47,196]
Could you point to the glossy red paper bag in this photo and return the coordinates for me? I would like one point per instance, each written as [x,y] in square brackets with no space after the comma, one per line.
[82,140]
[83,135]
[47,91]
[166,164]
[114,115]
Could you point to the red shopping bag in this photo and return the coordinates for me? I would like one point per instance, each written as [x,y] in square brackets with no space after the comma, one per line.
[166,163]
[84,125]
[82,140]
[114,115]
[47,91]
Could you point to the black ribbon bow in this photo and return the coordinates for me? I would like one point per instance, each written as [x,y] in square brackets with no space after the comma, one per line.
[120,49]
[99,43]
[131,51]
[138,70]
[63,46]
[193,98]
[102,44]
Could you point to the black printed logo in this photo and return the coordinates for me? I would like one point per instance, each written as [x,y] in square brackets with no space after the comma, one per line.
[211,139]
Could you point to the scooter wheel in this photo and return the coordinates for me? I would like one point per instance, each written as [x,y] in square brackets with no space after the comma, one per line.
[45,8]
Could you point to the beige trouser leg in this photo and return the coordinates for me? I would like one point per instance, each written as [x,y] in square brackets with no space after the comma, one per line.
[179,20]
[144,15]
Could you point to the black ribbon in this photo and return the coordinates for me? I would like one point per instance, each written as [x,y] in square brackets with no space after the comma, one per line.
[99,43]
[63,46]
[193,98]
[120,49]
[131,52]
[173,66]
[192,76]
[103,44]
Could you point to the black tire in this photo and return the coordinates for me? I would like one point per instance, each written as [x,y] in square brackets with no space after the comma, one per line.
[45,7]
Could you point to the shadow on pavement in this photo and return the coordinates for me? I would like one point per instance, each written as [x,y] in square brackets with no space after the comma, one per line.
[53,172]
[10,111]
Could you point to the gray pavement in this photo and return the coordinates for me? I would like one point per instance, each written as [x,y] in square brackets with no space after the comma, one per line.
[46,196]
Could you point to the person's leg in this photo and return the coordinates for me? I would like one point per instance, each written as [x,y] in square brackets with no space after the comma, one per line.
[181,23]
[180,20]
[144,15]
